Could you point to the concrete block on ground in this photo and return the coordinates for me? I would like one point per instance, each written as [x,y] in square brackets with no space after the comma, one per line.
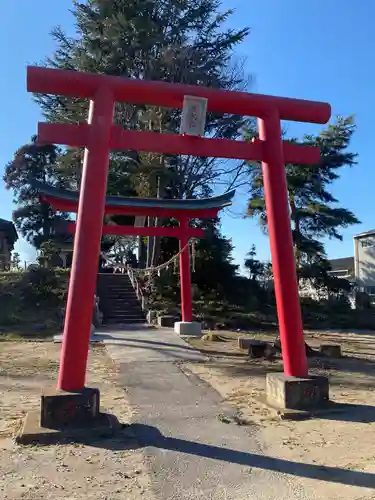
[67,415]
[297,393]
[192,328]
[104,426]
[246,343]
[167,321]
[331,350]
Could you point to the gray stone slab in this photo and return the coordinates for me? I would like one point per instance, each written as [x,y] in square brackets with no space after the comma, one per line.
[148,344]
[164,391]
[57,339]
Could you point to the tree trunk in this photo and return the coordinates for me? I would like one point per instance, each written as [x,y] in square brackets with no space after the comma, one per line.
[141,252]
[296,228]
[156,243]
[150,243]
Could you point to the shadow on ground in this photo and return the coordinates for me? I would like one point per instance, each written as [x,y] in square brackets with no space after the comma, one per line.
[147,436]
[346,412]
[161,346]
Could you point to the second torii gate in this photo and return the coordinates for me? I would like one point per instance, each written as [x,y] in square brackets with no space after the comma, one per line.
[181,210]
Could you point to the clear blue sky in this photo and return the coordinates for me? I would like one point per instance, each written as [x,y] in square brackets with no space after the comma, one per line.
[321,50]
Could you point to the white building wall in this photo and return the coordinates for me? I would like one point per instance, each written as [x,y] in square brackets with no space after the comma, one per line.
[364,255]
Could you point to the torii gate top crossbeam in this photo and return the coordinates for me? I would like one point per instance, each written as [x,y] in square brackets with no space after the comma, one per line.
[171,95]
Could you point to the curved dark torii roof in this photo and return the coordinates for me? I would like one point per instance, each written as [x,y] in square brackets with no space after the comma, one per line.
[67,200]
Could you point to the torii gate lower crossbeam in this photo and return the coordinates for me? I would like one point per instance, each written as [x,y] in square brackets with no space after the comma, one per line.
[103,91]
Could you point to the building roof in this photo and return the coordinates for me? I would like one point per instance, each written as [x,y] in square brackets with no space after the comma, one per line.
[342,264]
[366,233]
[10,231]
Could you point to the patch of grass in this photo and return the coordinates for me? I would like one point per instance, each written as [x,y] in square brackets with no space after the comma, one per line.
[31,303]
[19,335]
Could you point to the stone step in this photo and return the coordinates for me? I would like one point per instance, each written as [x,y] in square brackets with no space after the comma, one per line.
[123,318]
[122,304]
[123,307]
[119,289]
[118,300]
[124,322]
[104,276]
[116,312]
[122,310]
[126,316]
[115,283]
[119,296]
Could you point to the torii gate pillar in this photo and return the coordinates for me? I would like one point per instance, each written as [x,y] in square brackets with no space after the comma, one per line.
[87,244]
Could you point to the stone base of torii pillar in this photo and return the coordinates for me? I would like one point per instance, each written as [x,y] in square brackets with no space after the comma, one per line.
[188,328]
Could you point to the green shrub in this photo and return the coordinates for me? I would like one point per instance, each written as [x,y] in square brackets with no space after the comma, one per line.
[41,286]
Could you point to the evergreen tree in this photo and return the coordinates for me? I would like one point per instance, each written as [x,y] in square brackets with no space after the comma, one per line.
[212,268]
[254,267]
[16,261]
[314,211]
[35,220]
[182,41]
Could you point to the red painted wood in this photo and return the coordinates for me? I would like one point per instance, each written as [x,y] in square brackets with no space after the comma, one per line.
[185,278]
[82,283]
[283,262]
[76,135]
[171,95]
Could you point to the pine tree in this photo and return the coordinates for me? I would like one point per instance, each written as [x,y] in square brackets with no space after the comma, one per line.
[181,41]
[35,220]
[314,211]
[254,267]
[212,268]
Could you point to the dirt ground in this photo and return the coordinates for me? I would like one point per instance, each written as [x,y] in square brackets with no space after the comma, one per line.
[106,470]
[340,444]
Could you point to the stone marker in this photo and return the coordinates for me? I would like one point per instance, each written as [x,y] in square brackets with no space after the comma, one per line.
[167,321]
[257,348]
[188,328]
[152,316]
[331,350]
[246,343]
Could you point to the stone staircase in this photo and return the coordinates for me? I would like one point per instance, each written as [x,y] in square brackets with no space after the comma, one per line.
[118,300]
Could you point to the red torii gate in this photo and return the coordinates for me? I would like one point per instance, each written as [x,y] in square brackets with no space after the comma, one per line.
[181,210]
[100,135]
